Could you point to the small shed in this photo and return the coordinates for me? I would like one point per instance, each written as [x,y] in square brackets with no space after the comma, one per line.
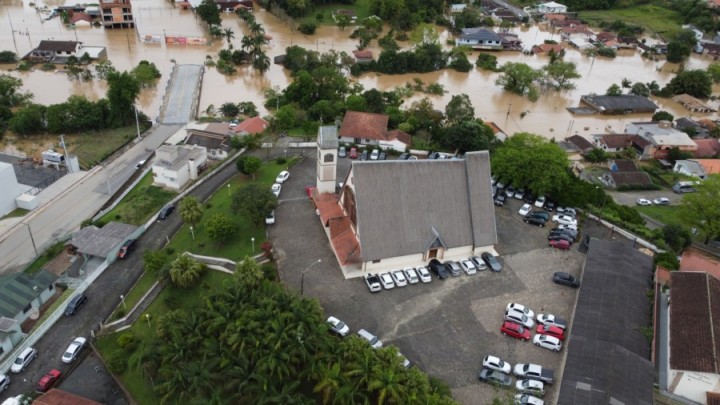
[103,243]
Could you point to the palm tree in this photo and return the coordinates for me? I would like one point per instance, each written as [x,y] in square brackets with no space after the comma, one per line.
[261,62]
[185,271]
[190,210]
[331,381]
[229,35]
[388,385]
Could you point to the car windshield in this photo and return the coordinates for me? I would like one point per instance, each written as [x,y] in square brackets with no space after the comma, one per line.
[19,360]
[339,325]
[520,329]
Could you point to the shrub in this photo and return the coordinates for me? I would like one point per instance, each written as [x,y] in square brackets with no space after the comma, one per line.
[117,361]
[281,160]
[307,28]
[667,260]
[125,339]
[269,271]
[171,302]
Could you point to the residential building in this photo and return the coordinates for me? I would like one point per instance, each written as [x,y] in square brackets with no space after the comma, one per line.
[693,104]
[622,104]
[710,166]
[627,179]
[607,353]
[500,135]
[22,295]
[691,127]
[663,136]
[251,126]
[80,19]
[60,51]
[217,145]
[622,165]
[706,148]
[551,7]
[230,6]
[546,48]
[479,38]
[59,397]
[10,335]
[102,244]
[457,7]
[116,14]
[10,187]
[619,142]
[363,56]
[370,129]
[174,166]
[389,216]
[689,168]
[582,144]
[694,369]
[576,32]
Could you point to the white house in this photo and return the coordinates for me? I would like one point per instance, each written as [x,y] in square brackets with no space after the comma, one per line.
[21,295]
[662,135]
[479,38]
[175,166]
[689,168]
[10,335]
[551,7]
[370,129]
[457,7]
[10,187]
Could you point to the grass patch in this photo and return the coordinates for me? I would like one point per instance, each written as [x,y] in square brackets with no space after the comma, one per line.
[92,148]
[139,204]
[170,298]
[133,297]
[360,7]
[60,301]
[661,20]
[44,258]
[17,212]
[665,214]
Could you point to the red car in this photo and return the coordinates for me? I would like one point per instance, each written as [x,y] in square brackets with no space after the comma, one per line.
[551,331]
[125,249]
[353,153]
[49,380]
[515,330]
[560,244]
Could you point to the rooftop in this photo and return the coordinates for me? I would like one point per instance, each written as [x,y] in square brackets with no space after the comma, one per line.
[623,102]
[175,157]
[208,140]
[624,165]
[479,34]
[19,289]
[582,143]
[711,166]
[100,242]
[364,125]
[254,125]
[59,397]
[694,259]
[706,147]
[630,178]
[58,46]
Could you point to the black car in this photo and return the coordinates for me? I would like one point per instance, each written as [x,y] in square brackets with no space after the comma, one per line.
[535,221]
[491,261]
[166,211]
[500,199]
[540,214]
[126,248]
[494,377]
[567,231]
[565,279]
[434,155]
[560,235]
[364,155]
[438,268]
[404,156]
[529,198]
[75,303]
[382,156]
[550,205]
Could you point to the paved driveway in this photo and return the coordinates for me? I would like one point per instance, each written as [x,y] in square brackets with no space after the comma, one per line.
[445,327]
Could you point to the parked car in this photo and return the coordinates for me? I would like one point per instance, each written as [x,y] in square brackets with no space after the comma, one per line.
[138,165]
[519,318]
[561,244]
[383,156]
[364,155]
[75,303]
[372,339]
[570,211]
[399,278]
[4,382]
[525,399]
[337,326]
[661,201]
[411,275]
[549,205]
[494,377]
[424,274]
[166,211]
[386,280]
[341,152]
[567,226]
[524,209]
[540,202]
[126,248]
[22,360]
[275,189]
[529,198]
[564,219]
[468,266]
[565,279]
[510,192]
[353,153]
[566,230]
[373,282]
[519,194]
[404,156]
[500,200]
[548,342]
[532,387]
[534,372]
[453,268]
[375,154]
[643,201]
[434,155]
[551,330]
[282,177]
[73,350]
[494,363]
[540,214]
[49,380]
[514,330]
[270,218]
[514,306]
[551,320]
[491,261]
[439,269]
[534,221]
[560,236]
[479,263]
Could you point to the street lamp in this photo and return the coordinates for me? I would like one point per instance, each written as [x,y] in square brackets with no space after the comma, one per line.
[122,298]
[253,244]
[302,275]
[229,190]
[191,232]
[147,316]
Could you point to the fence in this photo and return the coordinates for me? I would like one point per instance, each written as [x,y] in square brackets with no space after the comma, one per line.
[626,234]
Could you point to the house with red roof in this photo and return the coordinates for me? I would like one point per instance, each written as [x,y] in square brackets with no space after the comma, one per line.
[370,129]
[251,126]
[706,148]
[80,19]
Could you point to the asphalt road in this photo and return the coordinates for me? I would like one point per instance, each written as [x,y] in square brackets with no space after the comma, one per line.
[103,296]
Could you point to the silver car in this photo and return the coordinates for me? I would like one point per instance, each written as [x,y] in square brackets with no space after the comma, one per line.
[399,278]
[468,266]
[479,263]
[72,352]
[4,382]
[411,275]
[519,318]
[387,281]
[424,274]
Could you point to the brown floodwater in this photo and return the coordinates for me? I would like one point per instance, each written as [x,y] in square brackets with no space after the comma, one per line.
[513,113]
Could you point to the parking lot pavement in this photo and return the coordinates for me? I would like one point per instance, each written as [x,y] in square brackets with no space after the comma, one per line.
[630,197]
[89,379]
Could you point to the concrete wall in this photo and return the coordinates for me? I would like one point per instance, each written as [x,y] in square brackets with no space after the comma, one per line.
[10,187]
[420,259]
[693,385]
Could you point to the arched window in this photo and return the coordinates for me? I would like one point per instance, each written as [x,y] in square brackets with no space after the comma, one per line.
[328,158]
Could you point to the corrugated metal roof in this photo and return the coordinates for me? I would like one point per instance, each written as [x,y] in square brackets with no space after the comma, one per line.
[18,290]
[100,242]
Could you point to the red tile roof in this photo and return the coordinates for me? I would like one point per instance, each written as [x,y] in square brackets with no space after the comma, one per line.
[254,125]
[624,165]
[342,235]
[401,136]
[542,48]
[581,143]
[713,398]
[328,206]
[630,178]
[60,397]
[79,16]
[711,166]
[364,54]
[364,125]
[706,147]
[616,141]
[694,259]
[662,276]
[605,36]
[694,321]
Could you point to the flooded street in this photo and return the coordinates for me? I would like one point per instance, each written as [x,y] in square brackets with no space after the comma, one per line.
[125,48]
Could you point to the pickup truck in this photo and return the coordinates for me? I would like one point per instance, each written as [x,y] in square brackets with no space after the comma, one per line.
[534,372]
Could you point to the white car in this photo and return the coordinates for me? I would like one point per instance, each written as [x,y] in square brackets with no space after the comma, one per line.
[548,342]
[270,218]
[282,177]
[387,281]
[564,219]
[570,211]
[468,266]
[399,278]
[372,339]
[73,350]
[373,282]
[567,226]
[540,202]
[532,387]
[643,201]
[337,326]
[4,382]
[519,194]
[374,154]
[519,318]
[23,360]
[513,306]
[424,274]
[405,362]
[551,320]
[494,363]
[524,209]
[525,399]
[411,275]
[661,201]
[479,263]
[276,189]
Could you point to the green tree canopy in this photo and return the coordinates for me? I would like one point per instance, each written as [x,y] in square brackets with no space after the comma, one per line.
[28,120]
[459,109]
[663,116]
[10,94]
[220,228]
[701,209]
[254,201]
[185,271]
[208,12]
[191,210]
[518,78]
[613,90]
[146,73]
[696,83]
[561,74]
[122,92]
[469,136]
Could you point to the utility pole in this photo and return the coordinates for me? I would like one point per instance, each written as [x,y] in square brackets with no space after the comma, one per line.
[13,34]
[137,124]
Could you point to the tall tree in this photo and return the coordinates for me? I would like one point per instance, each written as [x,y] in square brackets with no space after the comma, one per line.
[518,78]
[701,208]
[208,12]
[220,228]
[459,109]
[696,83]
[191,210]
[185,271]
[122,91]
[10,94]
[561,74]
[254,201]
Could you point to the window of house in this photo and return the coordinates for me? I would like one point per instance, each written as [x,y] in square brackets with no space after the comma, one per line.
[27,308]
[376,261]
[328,158]
[51,287]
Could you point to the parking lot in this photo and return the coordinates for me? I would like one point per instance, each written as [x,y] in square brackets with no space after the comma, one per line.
[445,327]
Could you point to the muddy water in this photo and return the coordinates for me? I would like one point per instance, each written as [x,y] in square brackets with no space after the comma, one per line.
[125,49]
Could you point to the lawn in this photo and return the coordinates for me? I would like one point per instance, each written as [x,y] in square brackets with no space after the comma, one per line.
[44,258]
[133,297]
[665,214]
[661,20]
[361,8]
[17,212]
[140,204]
[170,298]
[92,148]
